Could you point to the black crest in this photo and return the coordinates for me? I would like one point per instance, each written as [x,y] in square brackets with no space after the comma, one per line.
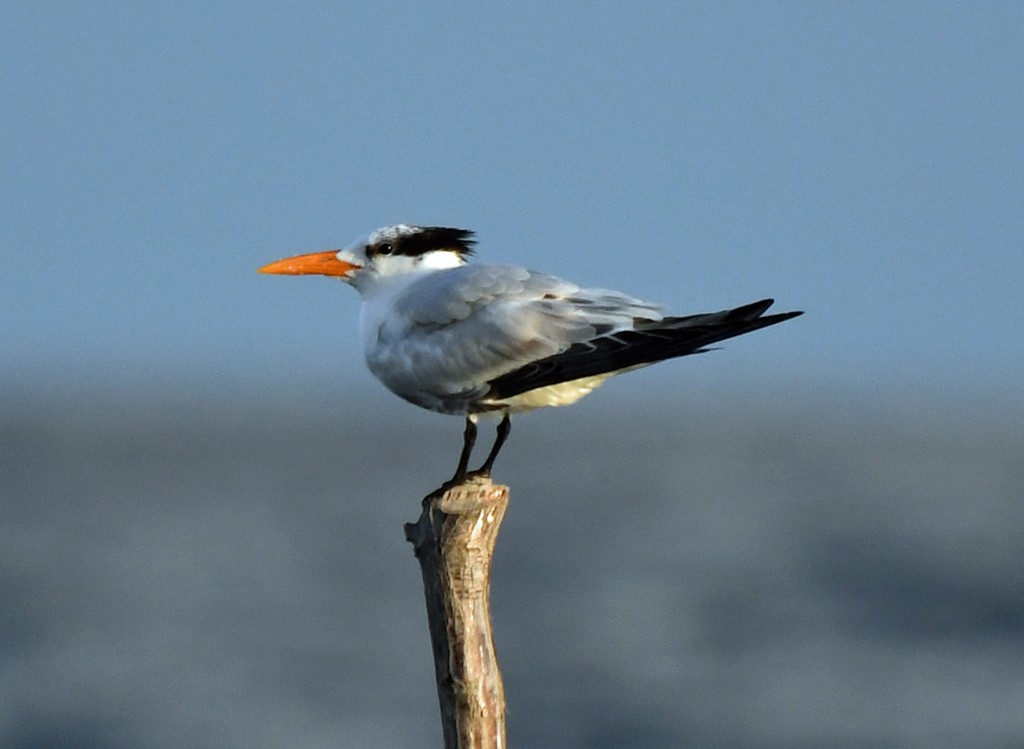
[415,241]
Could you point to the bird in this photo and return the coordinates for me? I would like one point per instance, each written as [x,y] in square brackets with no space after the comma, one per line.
[477,339]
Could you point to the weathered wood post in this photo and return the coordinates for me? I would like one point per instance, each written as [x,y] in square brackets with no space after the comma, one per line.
[454,542]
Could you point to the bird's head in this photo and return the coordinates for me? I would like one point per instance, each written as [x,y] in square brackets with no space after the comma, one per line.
[387,252]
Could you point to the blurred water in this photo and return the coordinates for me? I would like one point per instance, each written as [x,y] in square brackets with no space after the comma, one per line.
[747,576]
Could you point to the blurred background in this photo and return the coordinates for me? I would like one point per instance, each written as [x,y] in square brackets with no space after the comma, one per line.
[809,538]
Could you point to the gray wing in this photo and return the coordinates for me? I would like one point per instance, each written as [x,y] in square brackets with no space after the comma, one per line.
[458,295]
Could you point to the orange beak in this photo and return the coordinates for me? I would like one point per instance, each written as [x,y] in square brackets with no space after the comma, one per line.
[315,263]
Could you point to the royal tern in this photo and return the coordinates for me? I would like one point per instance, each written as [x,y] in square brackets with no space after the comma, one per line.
[474,339]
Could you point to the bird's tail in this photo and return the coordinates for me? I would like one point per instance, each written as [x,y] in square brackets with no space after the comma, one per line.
[648,342]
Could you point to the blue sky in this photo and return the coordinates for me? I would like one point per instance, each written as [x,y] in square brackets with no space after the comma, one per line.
[861,161]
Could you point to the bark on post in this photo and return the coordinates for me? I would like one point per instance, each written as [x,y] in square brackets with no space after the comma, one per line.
[454,542]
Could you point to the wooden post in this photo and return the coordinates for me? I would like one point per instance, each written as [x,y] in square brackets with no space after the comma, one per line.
[454,542]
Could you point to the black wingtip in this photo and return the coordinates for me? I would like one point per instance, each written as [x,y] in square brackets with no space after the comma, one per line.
[756,310]
[750,311]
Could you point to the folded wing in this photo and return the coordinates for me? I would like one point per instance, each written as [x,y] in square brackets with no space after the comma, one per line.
[452,333]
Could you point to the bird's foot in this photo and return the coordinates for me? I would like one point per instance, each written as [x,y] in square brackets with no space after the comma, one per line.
[457,480]
[466,477]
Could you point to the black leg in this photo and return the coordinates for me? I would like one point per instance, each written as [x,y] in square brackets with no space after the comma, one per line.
[503,431]
[468,440]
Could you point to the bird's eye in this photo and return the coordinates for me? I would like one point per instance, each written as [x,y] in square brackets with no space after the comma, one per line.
[384,248]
